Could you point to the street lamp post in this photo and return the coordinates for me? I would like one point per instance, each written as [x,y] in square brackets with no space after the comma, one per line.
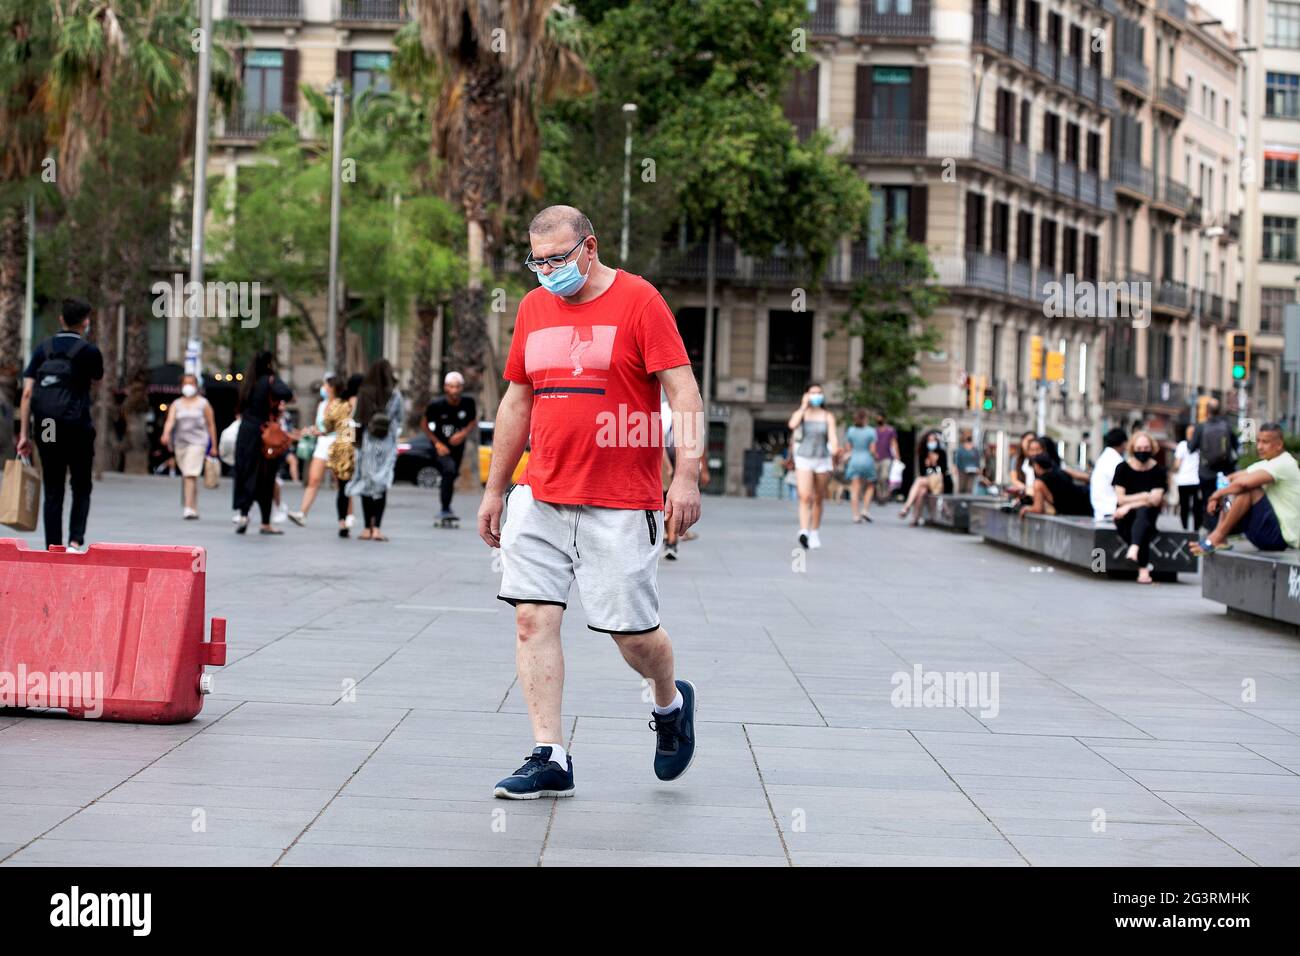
[1209,232]
[629,112]
[334,90]
[194,344]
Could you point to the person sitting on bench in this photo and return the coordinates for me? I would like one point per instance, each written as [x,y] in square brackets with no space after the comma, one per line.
[1263,501]
[1055,492]
[1140,491]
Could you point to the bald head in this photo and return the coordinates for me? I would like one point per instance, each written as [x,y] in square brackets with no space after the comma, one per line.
[559,222]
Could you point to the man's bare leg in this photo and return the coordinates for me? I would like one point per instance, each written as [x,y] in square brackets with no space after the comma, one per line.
[651,656]
[539,660]
[1232,517]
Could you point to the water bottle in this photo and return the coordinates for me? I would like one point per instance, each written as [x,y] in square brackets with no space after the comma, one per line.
[1221,482]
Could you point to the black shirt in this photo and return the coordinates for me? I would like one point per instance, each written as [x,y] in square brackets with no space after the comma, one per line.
[1068,497]
[445,419]
[258,407]
[87,366]
[1136,482]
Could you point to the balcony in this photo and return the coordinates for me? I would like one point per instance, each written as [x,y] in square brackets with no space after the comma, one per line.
[1173,295]
[251,124]
[275,10]
[1195,212]
[1130,70]
[1125,387]
[787,381]
[1132,176]
[1173,99]
[1173,9]
[877,137]
[691,262]
[1165,394]
[372,11]
[1173,195]
[915,22]
[862,264]
[824,20]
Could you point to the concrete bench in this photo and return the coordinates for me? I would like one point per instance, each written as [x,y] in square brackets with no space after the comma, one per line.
[1256,583]
[1082,542]
[953,511]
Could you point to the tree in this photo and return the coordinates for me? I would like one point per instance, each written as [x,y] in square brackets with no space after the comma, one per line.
[498,60]
[398,243]
[888,308]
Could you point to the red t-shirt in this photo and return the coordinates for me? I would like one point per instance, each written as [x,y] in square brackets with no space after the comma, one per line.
[595,429]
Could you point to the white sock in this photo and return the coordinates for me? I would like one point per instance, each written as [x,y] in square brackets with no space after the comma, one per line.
[803,530]
[677,702]
[558,754]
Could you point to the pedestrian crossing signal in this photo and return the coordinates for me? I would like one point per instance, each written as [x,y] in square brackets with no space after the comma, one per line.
[1239,343]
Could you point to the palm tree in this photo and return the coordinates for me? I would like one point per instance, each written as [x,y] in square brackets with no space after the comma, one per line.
[498,60]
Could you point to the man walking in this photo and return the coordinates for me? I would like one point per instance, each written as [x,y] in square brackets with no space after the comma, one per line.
[1217,444]
[56,395]
[448,421]
[590,348]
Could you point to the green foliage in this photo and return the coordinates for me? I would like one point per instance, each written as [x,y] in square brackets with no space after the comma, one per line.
[397,242]
[888,309]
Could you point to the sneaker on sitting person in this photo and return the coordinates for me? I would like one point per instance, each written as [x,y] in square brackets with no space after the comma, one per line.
[540,776]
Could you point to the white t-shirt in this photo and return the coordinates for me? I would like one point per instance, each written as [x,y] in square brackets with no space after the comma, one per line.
[1101,486]
[1027,472]
[1189,465]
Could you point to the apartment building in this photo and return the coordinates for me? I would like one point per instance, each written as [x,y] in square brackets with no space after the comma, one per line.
[1271,90]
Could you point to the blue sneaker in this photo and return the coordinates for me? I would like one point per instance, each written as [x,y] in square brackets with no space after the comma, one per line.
[540,776]
[675,732]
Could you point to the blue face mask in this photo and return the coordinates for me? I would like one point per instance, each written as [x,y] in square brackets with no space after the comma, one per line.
[817,401]
[323,393]
[564,281]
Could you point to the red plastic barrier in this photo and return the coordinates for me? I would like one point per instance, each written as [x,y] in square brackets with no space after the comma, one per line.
[115,633]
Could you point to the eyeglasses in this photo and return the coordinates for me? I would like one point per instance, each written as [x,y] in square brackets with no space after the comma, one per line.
[553,261]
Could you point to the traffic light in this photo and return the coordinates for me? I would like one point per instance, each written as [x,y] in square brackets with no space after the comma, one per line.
[987,402]
[1239,342]
[1036,357]
[974,391]
[1055,370]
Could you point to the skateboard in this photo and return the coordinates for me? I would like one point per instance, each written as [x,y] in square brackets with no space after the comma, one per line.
[452,522]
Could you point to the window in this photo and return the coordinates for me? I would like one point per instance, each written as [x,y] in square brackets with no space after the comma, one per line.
[1280,169]
[1001,228]
[972,344]
[888,215]
[1282,95]
[1271,303]
[1282,24]
[1069,250]
[1024,237]
[975,222]
[891,93]
[789,354]
[995,366]
[370,72]
[1047,244]
[263,84]
[1279,238]
[901,7]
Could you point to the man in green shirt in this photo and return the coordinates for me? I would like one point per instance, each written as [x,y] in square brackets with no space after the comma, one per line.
[1265,503]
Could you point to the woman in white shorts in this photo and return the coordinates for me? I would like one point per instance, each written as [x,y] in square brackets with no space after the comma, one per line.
[329,393]
[814,457]
[190,430]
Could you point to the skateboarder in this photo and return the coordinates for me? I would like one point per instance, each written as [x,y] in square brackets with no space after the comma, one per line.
[448,421]
[592,342]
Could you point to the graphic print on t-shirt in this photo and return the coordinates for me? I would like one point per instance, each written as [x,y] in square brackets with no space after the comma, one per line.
[569,358]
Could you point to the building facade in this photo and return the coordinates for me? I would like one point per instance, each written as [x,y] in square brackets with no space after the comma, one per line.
[1271,35]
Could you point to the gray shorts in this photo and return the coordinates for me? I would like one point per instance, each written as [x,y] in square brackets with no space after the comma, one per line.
[613,554]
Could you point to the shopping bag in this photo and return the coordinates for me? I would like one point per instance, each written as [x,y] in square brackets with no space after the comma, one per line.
[211,472]
[20,496]
[226,443]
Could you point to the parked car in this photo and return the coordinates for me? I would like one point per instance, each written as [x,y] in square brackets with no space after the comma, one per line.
[415,462]
[485,432]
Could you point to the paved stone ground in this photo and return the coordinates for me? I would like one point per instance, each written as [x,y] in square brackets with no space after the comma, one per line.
[1114,700]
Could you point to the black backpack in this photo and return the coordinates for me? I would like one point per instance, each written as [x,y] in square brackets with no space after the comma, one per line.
[55,395]
[1216,445]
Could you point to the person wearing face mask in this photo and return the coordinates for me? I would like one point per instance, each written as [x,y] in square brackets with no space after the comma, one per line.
[56,394]
[190,433]
[814,458]
[932,467]
[1140,484]
[320,456]
[591,349]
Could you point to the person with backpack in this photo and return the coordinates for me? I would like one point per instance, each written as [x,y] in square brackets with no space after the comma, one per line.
[1217,445]
[56,400]
[379,410]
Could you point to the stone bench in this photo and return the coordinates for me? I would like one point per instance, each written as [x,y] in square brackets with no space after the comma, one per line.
[1082,542]
[953,511]
[1256,583]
